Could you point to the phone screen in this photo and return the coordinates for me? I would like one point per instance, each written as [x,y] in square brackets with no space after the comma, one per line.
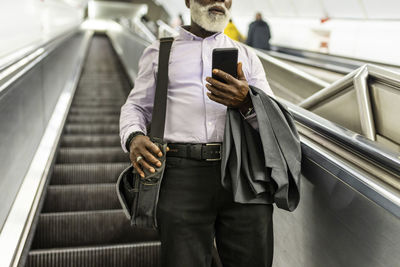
[225,59]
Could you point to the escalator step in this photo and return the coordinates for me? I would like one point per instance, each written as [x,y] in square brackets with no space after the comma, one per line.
[101,77]
[99,94]
[92,155]
[94,118]
[90,111]
[90,140]
[133,255]
[96,105]
[99,128]
[87,173]
[89,228]
[100,90]
[81,198]
[96,102]
[112,85]
[99,100]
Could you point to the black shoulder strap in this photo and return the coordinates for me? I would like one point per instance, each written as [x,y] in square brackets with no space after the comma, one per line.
[160,99]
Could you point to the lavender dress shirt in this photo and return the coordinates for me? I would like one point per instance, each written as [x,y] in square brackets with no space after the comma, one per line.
[191,117]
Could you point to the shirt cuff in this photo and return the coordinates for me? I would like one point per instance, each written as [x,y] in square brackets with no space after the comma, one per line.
[127,133]
[252,120]
[250,117]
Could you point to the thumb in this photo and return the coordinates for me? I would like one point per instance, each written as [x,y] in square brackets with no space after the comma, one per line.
[240,72]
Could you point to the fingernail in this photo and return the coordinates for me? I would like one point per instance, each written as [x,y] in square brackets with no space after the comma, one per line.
[158,164]
[152,170]
[142,175]
[215,71]
[160,154]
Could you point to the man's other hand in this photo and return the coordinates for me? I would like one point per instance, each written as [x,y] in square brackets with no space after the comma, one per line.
[144,154]
[234,93]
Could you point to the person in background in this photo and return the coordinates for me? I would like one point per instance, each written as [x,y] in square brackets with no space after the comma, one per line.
[259,34]
[233,32]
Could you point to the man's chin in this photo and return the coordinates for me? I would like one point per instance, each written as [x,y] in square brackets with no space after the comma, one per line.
[213,26]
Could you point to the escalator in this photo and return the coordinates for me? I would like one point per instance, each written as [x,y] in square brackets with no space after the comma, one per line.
[81,223]
[350,188]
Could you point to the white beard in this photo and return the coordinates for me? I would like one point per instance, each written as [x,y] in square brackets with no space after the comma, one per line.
[208,21]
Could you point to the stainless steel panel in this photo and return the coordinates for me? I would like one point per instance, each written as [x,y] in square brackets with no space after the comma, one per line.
[385,102]
[129,48]
[25,109]
[56,70]
[289,82]
[341,109]
[334,225]
[22,125]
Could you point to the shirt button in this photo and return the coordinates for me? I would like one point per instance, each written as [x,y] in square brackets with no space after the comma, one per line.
[210,123]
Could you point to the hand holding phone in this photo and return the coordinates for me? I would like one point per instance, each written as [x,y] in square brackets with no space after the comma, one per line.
[225,59]
[228,85]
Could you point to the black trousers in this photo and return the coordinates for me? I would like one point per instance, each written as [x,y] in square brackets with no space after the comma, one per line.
[194,209]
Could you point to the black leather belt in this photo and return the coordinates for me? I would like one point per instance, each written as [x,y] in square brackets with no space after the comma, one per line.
[207,152]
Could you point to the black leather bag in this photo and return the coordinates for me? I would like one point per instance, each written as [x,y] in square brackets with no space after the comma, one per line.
[139,196]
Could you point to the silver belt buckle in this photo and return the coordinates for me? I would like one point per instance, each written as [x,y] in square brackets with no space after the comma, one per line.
[220,152]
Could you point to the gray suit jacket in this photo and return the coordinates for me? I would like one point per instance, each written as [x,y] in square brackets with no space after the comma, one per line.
[262,167]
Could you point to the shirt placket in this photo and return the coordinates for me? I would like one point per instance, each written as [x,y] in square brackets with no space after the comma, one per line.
[208,105]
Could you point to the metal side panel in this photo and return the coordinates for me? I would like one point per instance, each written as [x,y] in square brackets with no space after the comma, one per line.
[342,109]
[386,109]
[21,115]
[129,48]
[25,110]
[334,225]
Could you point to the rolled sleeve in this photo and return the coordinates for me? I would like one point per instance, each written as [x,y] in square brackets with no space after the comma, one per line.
[137,111]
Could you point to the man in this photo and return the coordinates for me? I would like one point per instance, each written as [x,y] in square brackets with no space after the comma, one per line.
[193,207]
[259,34]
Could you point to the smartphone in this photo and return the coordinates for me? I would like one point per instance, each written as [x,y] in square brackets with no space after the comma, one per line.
[225,59]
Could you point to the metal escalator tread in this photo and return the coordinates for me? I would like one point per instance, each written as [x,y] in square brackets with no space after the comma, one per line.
[81,197]
[135,255]
[90,140]
[91,155]
[86,111]
[87,228]
[79,173]
[91,104]
[97,99]
[92,118]
[81,222]
[92,128]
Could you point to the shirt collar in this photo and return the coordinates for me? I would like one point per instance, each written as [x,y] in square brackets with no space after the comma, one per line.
[185,34]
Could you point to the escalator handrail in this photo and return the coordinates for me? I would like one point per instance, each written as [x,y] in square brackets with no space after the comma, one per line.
[313,62]
[293,70]
[24,52]
[11,71]
[346,62]
[357,143]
